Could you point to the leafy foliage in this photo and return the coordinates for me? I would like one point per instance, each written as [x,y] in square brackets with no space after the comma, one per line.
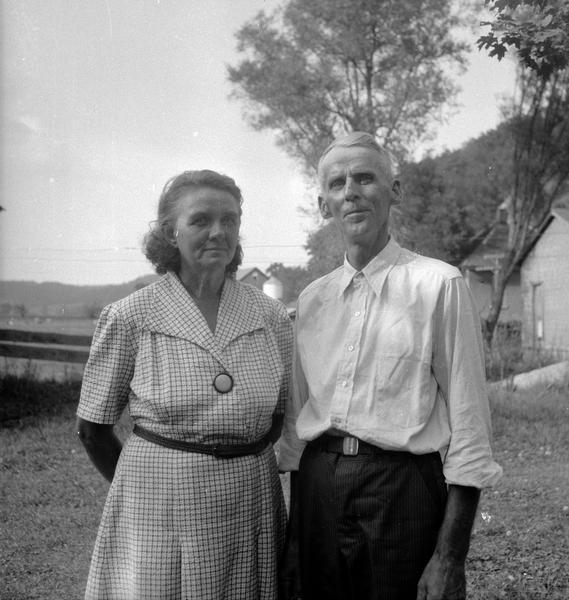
[326,251]
[450,201]
[315,69]
[537,29]
[294,280]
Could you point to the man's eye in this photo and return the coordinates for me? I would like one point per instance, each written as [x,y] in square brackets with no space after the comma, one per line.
[199,221]
[336,184]
[365,178]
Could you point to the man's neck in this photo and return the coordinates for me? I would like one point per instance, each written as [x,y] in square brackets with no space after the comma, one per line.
[359,255]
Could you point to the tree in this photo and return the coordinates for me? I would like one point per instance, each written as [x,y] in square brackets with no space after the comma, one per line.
[537,29]
[294,280]
[450,200]
[326,252]
[326,249]
[540,168]
[317,68]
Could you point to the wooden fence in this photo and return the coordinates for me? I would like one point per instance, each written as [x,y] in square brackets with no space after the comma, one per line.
[45,355]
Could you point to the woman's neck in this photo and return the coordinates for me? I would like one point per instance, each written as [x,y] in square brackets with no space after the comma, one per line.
[204,286]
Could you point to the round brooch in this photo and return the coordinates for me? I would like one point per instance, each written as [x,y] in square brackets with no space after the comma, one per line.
[223,383]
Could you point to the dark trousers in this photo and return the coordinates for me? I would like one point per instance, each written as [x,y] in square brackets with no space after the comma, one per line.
[368,523]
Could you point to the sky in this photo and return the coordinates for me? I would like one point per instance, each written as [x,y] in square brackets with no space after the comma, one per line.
[102,101]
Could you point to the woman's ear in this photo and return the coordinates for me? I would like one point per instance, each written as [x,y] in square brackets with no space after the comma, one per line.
[169,234]
[324,210]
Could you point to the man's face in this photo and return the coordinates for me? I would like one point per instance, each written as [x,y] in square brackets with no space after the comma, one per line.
[357,192]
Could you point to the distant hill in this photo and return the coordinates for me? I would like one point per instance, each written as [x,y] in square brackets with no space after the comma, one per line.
[51,299]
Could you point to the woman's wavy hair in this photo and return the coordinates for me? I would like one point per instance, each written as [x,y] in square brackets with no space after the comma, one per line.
[157,244]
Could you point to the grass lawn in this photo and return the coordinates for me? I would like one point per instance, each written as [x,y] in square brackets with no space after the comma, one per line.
[51,499]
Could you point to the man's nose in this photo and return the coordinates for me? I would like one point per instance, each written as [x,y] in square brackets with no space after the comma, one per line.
[350,189]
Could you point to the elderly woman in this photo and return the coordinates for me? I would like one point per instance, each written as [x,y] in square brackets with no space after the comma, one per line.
[195,508]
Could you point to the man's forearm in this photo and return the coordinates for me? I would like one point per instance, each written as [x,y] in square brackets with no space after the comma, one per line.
[454,536]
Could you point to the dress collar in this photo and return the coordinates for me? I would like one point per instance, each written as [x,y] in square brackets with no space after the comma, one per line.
[175,313]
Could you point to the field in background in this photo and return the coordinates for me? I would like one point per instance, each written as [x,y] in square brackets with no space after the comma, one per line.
[51,500]
[50,324]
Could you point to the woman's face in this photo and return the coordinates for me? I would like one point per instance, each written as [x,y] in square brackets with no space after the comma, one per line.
[206,230]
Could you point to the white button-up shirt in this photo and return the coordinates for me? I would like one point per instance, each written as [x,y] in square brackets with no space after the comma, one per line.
[393,355]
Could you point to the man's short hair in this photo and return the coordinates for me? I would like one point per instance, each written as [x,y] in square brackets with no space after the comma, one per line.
[364,140]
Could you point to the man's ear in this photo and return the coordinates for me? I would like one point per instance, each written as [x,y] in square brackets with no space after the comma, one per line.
[324,210]
[395,193]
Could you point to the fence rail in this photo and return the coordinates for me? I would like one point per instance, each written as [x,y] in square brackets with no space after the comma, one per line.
[49,355]
[44,337]
[37,345]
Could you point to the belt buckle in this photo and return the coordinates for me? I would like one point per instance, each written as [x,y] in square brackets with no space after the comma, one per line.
[350,446]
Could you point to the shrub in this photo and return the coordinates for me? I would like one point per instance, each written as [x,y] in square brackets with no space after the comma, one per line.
[507,357]
[23,397]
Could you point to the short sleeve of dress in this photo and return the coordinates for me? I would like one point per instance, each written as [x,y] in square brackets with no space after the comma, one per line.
[109,370]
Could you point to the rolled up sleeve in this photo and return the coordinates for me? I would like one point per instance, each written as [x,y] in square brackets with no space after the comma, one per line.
[458,366]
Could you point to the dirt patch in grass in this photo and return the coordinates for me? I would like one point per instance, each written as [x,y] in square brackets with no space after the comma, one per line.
[51,499]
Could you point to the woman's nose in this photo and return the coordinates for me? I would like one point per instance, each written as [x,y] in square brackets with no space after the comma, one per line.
[217,230]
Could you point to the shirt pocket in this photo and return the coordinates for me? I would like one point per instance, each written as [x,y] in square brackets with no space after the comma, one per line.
[403,392]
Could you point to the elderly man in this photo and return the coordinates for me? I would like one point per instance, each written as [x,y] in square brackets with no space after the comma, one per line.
[390,411]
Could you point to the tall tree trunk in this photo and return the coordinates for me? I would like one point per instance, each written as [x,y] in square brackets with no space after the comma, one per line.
[499,282]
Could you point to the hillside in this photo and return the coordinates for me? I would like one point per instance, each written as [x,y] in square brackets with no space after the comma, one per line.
[51,298]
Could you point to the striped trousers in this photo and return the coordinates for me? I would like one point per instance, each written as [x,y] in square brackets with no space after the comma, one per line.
[368,523]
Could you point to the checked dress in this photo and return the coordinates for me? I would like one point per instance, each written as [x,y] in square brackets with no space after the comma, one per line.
[183,525]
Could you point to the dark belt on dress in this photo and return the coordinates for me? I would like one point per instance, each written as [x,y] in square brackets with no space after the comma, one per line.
[348,446]
[217,450]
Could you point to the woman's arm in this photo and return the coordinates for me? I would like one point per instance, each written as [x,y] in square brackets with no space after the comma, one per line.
[101,444]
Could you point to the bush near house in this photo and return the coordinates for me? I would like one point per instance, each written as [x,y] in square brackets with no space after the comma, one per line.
[507,357]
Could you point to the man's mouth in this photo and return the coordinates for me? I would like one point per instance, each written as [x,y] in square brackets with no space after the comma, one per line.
[359,212]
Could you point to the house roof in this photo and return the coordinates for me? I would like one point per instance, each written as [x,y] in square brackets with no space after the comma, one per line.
[492,247]
[242,273]
[561,213]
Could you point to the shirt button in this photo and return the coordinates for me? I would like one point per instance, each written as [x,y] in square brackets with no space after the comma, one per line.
[344,383]
[357,313]
[350,348]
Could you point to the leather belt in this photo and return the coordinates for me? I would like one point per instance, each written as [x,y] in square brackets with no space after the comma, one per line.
[349,446]
[217,450]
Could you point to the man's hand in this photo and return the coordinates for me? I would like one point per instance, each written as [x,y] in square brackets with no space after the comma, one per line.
[442,579]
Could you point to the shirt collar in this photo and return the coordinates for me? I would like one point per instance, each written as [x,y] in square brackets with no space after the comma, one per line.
[376,271]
